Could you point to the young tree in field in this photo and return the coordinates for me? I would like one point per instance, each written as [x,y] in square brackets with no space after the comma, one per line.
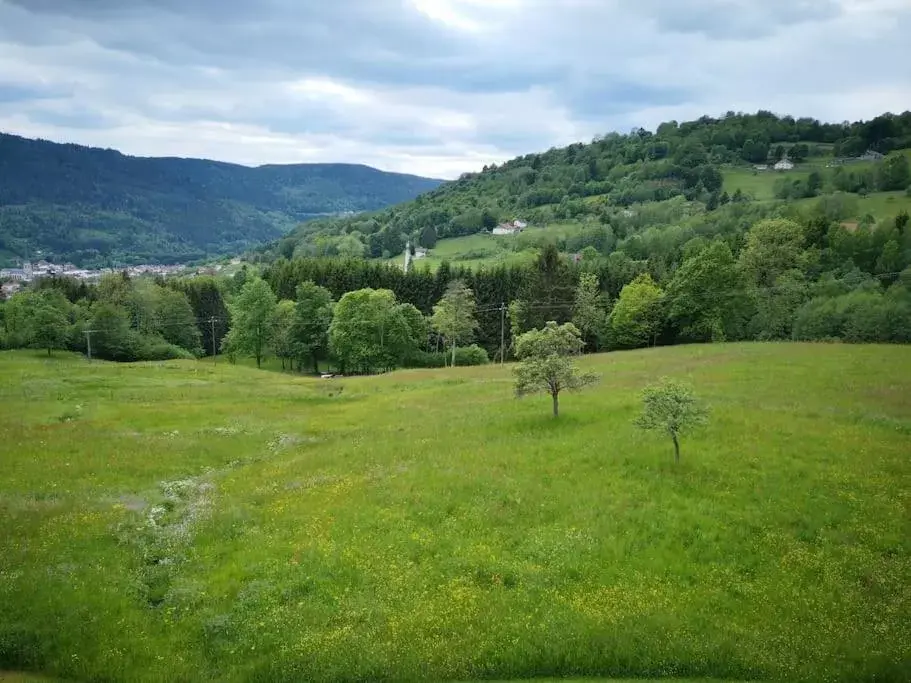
[282,342]
[638,315]
[50,320]
[251,320]
[546,362]
[454,315]
[310,326]
[672,408]
[589,311]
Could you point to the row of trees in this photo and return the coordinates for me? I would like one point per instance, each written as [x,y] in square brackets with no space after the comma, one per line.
[687,282]
[123,319]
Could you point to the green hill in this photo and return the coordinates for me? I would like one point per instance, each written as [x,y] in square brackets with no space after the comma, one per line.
[179,521]
[615,179]
[93,205]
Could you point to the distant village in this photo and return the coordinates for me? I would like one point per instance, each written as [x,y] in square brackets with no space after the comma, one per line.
[13,279]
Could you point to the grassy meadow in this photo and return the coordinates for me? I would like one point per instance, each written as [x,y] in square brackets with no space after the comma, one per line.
[184,521]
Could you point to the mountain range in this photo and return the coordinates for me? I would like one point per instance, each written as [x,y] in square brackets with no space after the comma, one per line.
[94,206]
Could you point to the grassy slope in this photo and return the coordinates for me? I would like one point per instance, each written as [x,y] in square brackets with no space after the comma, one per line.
[486,250]
[425,524]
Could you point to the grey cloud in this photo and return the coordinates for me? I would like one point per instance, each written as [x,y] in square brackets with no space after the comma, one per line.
[732,19]
[174,72]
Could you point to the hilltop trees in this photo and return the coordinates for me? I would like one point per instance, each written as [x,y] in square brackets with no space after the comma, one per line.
[546,364]
[454,315]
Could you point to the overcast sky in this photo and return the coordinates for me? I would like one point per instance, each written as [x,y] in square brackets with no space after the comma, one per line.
[433,87]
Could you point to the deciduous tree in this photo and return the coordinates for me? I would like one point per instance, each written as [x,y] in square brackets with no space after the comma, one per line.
[251,319]
[546,363]
[638,315]
[50,321]
[310,325]
[590,310]
[670,407]
[454,315]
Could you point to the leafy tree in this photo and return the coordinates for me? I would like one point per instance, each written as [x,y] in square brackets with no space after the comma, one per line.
[251,319]
[112,338]
[706,296]
[369,332]
[177,321]
[894,172]
[773,246]
[814,184]
[454,315]
[589,310]
[638,315]
[310,325]
[50,321]
[418,325]
[282,340]
[670,407]
[776,306]
[546,363]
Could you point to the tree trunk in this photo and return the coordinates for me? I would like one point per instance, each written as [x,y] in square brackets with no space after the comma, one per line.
[676,448]
[453,352]
[315,364]
[48,351]
[258,361]
[556,398]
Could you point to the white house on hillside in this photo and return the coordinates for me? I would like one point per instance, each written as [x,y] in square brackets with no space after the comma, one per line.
[784,165]
[510,228]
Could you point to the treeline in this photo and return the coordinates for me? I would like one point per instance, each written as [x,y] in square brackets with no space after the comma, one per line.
[601,179]
[123,319]
[750,277]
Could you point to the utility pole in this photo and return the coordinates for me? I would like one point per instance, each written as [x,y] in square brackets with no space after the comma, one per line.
[214,356]
[88,342]
[502,333]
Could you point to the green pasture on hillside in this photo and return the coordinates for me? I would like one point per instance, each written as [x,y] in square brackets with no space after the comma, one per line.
[487,250]
[184,521]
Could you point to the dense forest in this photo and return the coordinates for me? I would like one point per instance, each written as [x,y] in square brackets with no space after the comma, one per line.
[617,175]
[97,206]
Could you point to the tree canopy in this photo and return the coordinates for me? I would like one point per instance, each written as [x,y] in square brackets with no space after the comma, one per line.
[546,362]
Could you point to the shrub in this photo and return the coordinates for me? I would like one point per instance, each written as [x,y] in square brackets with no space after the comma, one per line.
[155,348]
[465,355]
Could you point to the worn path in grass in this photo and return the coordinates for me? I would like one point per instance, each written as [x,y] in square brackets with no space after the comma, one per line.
[179,521]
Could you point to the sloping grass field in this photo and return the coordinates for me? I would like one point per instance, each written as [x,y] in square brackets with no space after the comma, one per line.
[179,521]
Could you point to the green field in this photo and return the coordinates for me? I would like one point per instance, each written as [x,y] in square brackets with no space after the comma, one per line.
[181,521]
[486,250]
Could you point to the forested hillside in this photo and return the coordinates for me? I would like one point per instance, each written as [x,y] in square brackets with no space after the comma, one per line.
[622,181]
[92,206]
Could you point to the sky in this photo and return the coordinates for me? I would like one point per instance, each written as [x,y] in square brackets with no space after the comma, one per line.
[431,87]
